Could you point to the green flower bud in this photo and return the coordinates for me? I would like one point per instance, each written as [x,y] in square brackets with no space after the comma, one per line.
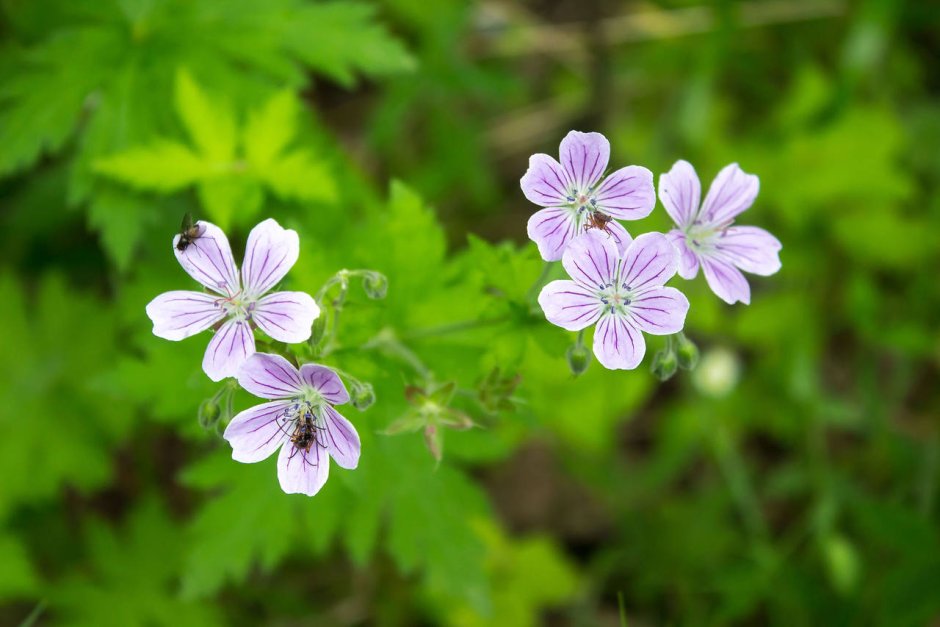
[686,352]
[209,413]
[362,395]
[578,358]
[664,364]
[375,285]
[434,441]
[318,331]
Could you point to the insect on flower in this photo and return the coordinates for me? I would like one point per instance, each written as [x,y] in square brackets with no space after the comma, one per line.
[299,420]
[189,232]
[237,303]
[576,196]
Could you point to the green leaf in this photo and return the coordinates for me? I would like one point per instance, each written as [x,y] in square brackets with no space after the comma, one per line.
[345,40]
[130,579]
[17,575]
[229,198]
[270,129]
[164,166]
[210,124]
[299,176]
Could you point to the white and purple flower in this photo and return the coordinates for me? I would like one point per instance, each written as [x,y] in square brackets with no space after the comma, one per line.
[237,302]
[575,196]
[622,293]
[706,237]
[299,419]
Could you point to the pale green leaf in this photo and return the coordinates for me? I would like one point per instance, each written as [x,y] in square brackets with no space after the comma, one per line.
[211,124]
[300,176]
[270,129]
[164,166]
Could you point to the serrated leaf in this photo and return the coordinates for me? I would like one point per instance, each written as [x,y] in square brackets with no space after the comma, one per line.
[270,129]
[210,124]
[228,197]
[347,40]
[164,166]
[300,176]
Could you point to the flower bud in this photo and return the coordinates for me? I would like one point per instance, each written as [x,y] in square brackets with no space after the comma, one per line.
[434,441]
[664,364]
[375,285]
[318,331]
[362,395]
[209,413]
[686,352]
[578,358]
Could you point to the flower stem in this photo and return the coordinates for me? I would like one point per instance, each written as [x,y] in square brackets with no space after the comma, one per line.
[454,327]
[539,282]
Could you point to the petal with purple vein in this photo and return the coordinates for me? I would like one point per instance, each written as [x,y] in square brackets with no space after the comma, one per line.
[180,314]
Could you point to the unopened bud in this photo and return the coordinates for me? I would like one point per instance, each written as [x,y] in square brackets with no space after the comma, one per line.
[375,285]
[434,441]
[578,358]
[686,352]
[362,396]
[664,364]
[209,413]
[318,331]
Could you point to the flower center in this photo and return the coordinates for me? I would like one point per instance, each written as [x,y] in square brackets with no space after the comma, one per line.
[237,307]
[582,200]
[616,297]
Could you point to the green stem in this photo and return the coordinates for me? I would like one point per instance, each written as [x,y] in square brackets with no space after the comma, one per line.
[455,327]
[735,474]
[539,282]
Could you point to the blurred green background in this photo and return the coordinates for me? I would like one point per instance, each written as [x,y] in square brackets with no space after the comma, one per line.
[792,479]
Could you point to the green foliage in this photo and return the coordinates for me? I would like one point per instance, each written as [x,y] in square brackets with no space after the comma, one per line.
[229,177]
[790,478]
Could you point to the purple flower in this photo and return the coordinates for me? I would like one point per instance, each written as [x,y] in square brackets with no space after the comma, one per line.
[576,198]
[623,294]
[299,419]
[236,302]
[705,236]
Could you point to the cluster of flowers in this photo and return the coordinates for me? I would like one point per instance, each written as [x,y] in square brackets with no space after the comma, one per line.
[618,283]
[299,417]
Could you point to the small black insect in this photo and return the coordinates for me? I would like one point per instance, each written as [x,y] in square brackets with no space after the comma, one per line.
[305,434]
[189,232]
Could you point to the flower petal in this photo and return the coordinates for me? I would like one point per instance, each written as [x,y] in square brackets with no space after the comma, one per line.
[751,249]
[303,471]
[570,306]
[228,350]
[271,252]
[620,236]
[584,158]
[208,259]
[286,316]
[726,281]
[649,262]
[342,441]
[180,314]
[257,432]
[545,182]
[687,260]
[325,381]
[660,311]
[618,345]
[591,259]
[680,192]
[732,191]
[627,194]
[552,230]
[270,376]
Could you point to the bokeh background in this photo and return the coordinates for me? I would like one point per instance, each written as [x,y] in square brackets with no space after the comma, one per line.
[791,479]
